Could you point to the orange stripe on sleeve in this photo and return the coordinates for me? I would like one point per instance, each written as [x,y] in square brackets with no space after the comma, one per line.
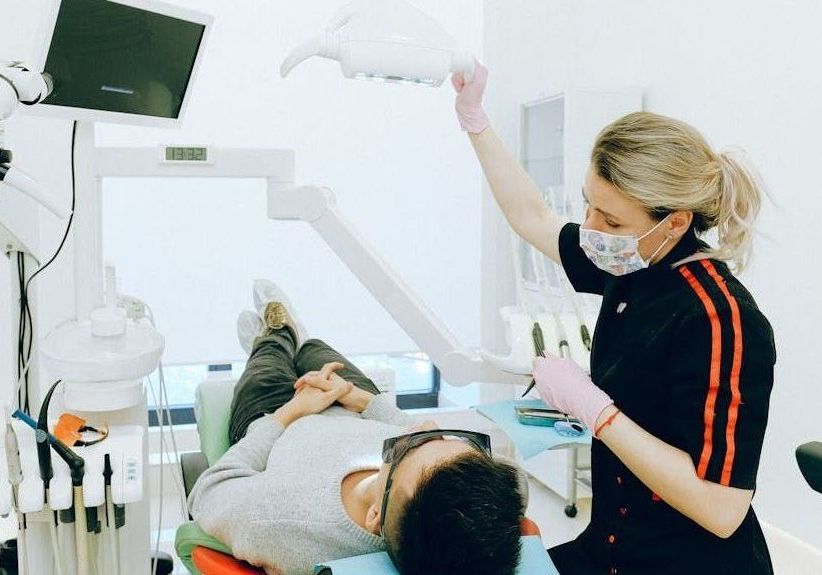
[716,358]
[736,396]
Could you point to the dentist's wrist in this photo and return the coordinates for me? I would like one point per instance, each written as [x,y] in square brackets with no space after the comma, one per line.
[606,417]
[473,120]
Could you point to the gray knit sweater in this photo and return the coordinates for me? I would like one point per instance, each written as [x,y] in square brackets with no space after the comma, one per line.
[275,496]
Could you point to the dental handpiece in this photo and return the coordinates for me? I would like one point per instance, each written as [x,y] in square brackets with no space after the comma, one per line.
[75,462]
[539,345]
[13,456]
[111,517]
[539,349]
[576,303]
[45,442]
[564,348]
[15,470]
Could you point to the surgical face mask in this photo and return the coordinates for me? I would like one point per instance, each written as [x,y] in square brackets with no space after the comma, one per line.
[617,255]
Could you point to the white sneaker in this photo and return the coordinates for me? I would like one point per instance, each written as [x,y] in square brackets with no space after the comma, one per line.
[249,327]
[265,292]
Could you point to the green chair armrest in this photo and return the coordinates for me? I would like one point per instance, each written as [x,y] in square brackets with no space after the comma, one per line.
[193,465]
[189,535]
[212,408]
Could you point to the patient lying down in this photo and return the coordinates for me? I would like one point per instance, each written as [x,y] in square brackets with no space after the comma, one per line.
[313,446]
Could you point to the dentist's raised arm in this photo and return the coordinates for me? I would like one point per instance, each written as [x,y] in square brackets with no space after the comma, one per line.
[515,191]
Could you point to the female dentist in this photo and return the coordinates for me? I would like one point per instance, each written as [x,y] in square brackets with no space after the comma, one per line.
[682,359]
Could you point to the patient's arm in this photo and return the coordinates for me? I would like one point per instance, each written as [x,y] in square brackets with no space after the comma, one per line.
[248,458]
[384,408]
[218,501]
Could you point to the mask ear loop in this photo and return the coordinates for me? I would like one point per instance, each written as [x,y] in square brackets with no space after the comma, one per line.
[662,245]
[653,229]
[659,249]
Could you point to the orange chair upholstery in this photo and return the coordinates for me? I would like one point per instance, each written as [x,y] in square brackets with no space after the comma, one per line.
[528,527]
[211,562]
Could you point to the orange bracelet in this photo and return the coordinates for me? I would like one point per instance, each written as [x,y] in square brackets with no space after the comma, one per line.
[607,422]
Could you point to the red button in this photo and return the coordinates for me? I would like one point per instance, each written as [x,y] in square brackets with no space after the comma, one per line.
[619,480]
[612,539]
[623,511]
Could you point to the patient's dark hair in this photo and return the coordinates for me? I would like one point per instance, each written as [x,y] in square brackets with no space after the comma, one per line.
[464,517]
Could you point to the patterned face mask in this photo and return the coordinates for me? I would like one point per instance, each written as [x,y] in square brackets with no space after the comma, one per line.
[617,255]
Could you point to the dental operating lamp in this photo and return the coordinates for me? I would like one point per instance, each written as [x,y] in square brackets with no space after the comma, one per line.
[18,85]
[387,41]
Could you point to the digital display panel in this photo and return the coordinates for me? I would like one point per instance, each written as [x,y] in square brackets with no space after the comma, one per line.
[111,57]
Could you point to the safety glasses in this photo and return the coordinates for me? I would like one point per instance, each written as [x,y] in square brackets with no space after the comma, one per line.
[395,449]
[72,431]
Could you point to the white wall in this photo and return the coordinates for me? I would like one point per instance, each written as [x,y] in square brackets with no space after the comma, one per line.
[394,155]
[745,73]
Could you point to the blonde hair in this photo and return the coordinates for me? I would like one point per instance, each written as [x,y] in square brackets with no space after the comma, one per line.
[667,166]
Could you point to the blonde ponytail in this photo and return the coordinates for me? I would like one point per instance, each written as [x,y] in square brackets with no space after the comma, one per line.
[667,166]
[740,201]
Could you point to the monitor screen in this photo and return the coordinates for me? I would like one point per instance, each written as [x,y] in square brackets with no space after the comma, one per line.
[111,57]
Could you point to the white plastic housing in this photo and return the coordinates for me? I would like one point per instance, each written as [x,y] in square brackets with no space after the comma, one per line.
[74,353]
[108,322]
[5,486]
[8,100]
[386,40]
[103,395]
[20,181]
[124,445]
[31,491]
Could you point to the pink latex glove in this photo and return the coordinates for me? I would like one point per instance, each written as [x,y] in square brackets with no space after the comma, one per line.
[469,99]
[565,386]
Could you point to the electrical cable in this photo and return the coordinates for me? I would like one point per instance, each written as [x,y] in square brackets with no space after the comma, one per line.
[55,549]
[25,336]
[20,330]
[19,384]
[159,411]
[25,348]
[26,326]
[179,474]
[167,413]
[156,559]
[111,522]
[71,217]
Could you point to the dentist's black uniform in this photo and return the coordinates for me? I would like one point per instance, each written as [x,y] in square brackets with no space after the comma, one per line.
[684,351]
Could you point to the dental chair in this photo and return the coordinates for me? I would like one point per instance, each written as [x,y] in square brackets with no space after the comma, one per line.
[201,553]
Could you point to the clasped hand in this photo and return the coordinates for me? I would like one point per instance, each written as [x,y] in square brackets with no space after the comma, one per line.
[351,397]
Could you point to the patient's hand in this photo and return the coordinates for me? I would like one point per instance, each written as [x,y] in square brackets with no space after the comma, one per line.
[356,399]
[308,401]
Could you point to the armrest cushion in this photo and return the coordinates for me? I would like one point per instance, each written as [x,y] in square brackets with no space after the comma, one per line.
[192,465]
[212,408]
[189,535]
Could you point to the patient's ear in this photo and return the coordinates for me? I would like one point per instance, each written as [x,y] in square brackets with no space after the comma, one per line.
[372,519]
